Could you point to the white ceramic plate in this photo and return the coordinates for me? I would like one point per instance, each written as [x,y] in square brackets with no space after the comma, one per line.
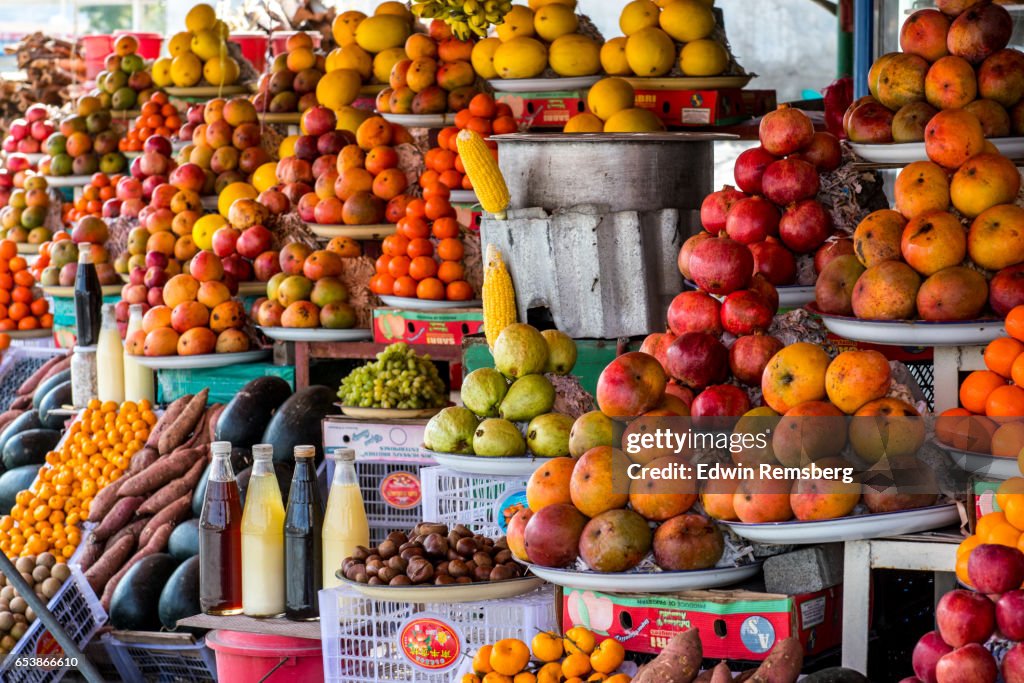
[209,360]
[316,334]
[907,152]
[689,83]
[40,333]
[420,120]
[542,84]
[504,466]
[388,413]
[427,304]
[68,180]
[464,592]
[463,197]
[913,332]
[69,292]
[289,118]
[356,232]
[33,158]
[648,582]
[26,248]
[857,528]
[207,91]
[984,463]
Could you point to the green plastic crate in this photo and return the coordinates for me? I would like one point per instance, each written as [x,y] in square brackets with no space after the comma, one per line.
[223,382]
[592,356]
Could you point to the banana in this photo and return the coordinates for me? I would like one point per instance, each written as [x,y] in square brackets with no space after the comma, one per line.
[465,17]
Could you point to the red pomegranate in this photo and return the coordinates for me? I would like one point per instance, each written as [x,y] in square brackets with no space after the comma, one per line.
[753,219]
[749,169]
[1006,290]
[785,131]
[831,250]
[760,285]
[805,226]
[715,207]
[745,312]
[720,400]
[657,344]
[683,261]
[694,312]
[721,265]
[790,180]
[774,262]
[824,152]
[697,359]
[749,356]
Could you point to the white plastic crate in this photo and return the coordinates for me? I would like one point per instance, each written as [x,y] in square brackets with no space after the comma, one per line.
[170,663]
[451,497]
[79,612]
[365,648]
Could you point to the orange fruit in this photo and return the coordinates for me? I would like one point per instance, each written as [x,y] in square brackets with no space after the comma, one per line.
[607,656]
[460,290]
[547,647]
[423,267]
[976,388]
[451,249]
[405,287]
[1008,440]
[1004,534]
[445,228]
[414,228]
[399,266]
[576,664]
[450,271]
[482,660]
[1005,404]
[509,656]
[987,523]
[967,545]
[579,639]
[1014,512]
[420,247]
[1015,323]
[430,288]
[1010,488]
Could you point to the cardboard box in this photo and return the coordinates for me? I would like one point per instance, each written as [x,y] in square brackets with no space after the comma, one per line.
[380,440]
[682,108]
[447,327]
[545,109]
[734,624]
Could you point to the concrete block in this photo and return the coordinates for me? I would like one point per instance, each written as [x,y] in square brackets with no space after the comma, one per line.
[600,274]
[806,570]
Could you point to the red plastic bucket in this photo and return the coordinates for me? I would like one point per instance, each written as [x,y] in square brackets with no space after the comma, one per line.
[253,46]
[95,48]
[279,40]
[251,656]
[149,43]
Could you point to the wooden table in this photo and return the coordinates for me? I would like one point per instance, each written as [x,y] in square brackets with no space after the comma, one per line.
[271,627]
[920,552]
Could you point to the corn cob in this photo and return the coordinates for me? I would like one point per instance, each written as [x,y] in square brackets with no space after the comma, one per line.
[499,296]
[482,169]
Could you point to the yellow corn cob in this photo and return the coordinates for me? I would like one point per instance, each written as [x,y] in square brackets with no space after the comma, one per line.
[482,169]
[499,296]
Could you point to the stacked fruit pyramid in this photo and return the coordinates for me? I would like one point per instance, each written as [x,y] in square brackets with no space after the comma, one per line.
[227,145]
[291,83]
[198,55]
[58,261]
[86,142]
[24,219]
[26,135]
[157,116]
[125,80]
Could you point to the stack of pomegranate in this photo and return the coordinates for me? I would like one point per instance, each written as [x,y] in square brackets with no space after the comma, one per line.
[774,212]
[954,57]
[483,115]
[919,261]
[27,135]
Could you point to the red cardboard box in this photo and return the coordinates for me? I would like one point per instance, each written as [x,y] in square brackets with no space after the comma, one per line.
[681,108]
[447,327]
[903,354]
[734,624]
[545,109]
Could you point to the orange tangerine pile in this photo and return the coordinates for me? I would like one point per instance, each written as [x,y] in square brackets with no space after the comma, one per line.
[483,115]
[90,202]
[157,117]
[576,657]
[96,451]
[1003,527]
[19,310]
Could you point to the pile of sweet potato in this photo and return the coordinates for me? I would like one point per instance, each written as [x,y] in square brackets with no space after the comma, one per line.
[134,516]
[23,396]
[680,661]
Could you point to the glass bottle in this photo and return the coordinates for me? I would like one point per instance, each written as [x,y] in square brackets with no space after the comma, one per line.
[303,529]
[220,538]
[345,525]
[139,383]
[263,539]
[88,298]
[110,359]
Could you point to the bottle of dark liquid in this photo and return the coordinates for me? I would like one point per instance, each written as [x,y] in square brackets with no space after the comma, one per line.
[88,298]
[220,538]
[303,549]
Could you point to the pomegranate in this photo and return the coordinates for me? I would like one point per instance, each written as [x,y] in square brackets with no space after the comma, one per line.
[1006,290]
[753,219]
[749,355]
[721,265]
[657,344]
[745,312]
[831,250]
[790,180]
[785,131]
[805,226]
[824,152]
[720,400]
[774,262]
[749,169]
[760,285]
[715,207]
[694,312]
[683,261]
[697,360]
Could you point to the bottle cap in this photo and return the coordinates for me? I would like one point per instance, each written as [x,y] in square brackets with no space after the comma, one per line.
[304,452]
[220,448]
[343,455]
[135,308]
[85,253]
[262,451]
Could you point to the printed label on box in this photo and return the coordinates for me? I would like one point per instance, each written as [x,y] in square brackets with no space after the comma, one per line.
[430,643]
[812,613]
[401,490]
[696,117]
[757,634]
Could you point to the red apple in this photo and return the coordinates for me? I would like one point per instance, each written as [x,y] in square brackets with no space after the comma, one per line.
[1010,615]
[158,144]
[266,266]
[254,241]
[971,663]
[927,653]
[965,617]
[995,569]
[224,240]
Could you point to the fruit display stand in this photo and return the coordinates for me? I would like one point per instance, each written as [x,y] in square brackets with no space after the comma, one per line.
[302,354]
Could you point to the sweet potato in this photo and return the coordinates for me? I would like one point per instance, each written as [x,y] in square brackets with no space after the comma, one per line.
[160,472]
[110,562]
[678,662]
[185,424]
[93,551]
[167,419]
[174,490]
[104,500]
[720,674]
[133,530]
[156,544]
[783,663]
[745,676]
[142,458]
[22,402]
[172,514]
[201,432]
[118,517]
[55,364]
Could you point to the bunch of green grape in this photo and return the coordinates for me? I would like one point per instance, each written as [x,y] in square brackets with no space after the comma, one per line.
[397,379]
[466,17]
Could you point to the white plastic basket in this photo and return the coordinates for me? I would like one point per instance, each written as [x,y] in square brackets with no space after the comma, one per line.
[142,662]
[451,497]
[365,648]
[79,612]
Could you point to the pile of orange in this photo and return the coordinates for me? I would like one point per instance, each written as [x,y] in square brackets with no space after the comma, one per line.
[991,416]
[1003,527]
[486,117]
[415,266]
[157,117]
[576,657]
[19,309]
[97,450]
[90,202]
